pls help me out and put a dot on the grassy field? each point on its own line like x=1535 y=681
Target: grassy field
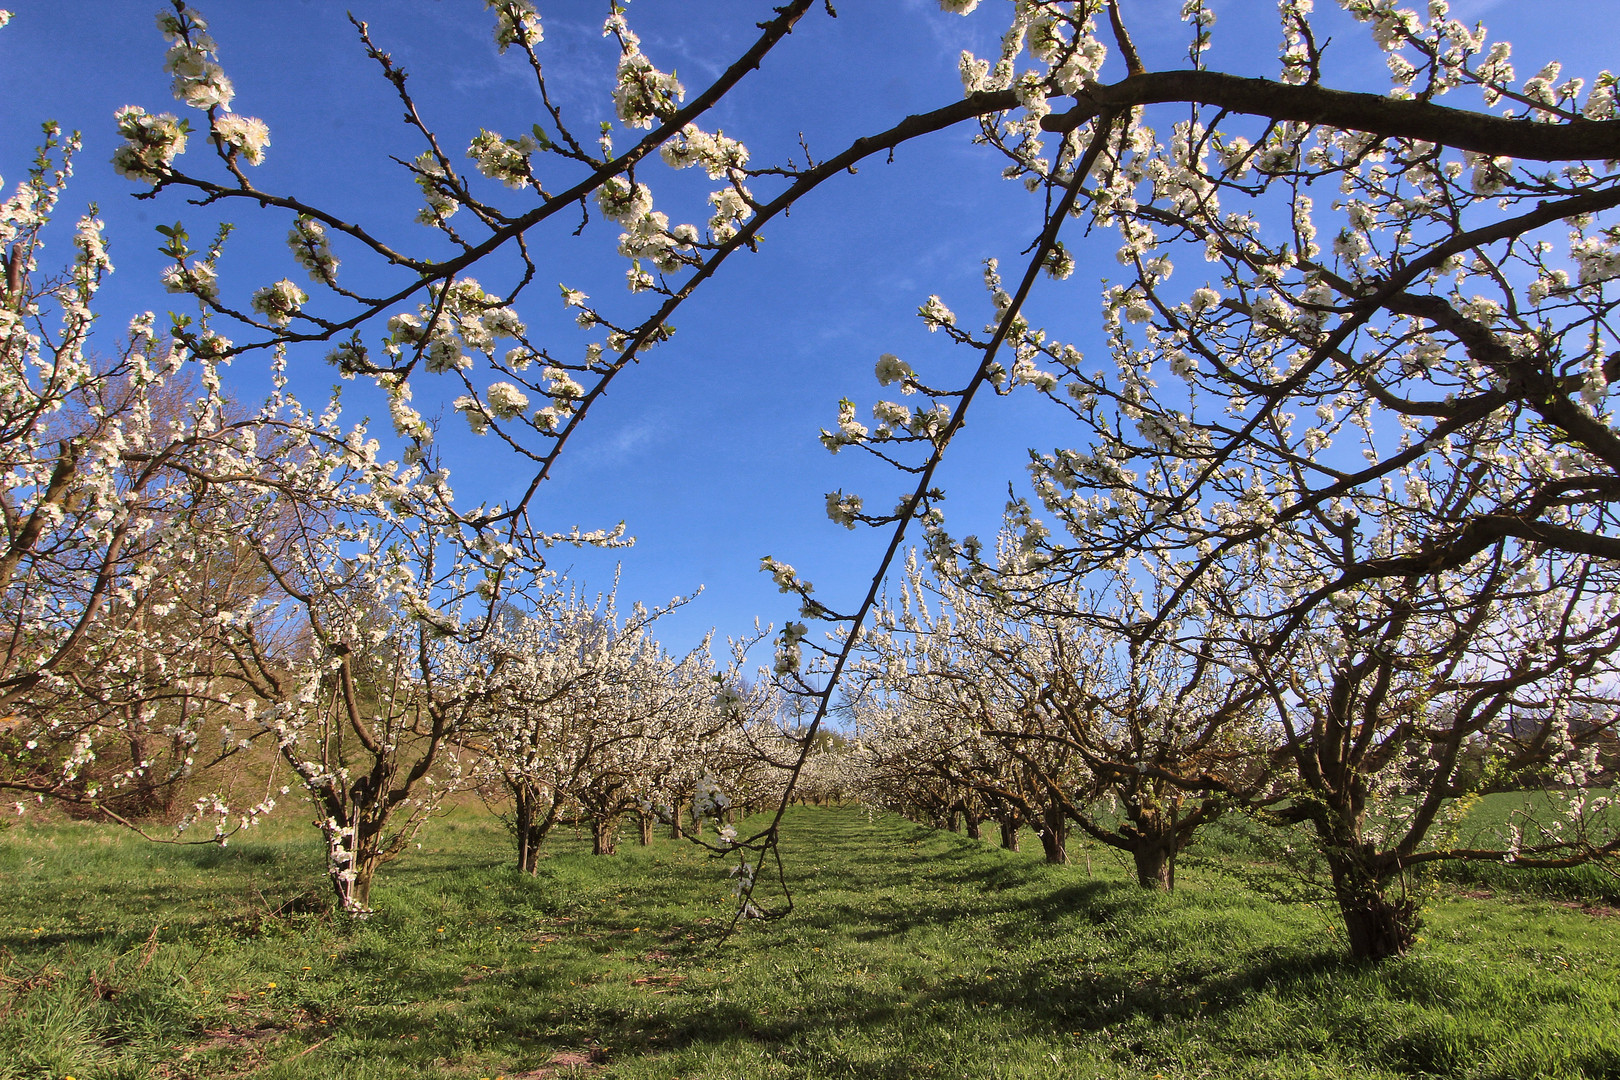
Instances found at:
x=912 y=954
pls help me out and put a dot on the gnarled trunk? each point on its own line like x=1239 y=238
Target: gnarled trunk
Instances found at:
x=1380 y=915
x=604 y=835
x=1155 y=867
x=1153 y=841
x=1009 y=834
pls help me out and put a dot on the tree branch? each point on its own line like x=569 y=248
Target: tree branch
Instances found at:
x=1461 y=129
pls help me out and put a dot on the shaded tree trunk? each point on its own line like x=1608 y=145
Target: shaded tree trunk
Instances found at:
x=1155 y=867
x=149 y=796
x=973 y=830
x=355 y=895
x=604 y=835
x=1054 y=833
x=646 y=822
x=1153 y=841
x=1009 y=834
x=523 y=826
x=1380 y=915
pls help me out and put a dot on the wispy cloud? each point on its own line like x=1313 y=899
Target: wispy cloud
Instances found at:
x=1469 y=10
x=622 y=446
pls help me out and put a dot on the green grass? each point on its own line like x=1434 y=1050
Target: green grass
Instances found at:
x=1236 y=841
x=1484 y=827
x=911 y=954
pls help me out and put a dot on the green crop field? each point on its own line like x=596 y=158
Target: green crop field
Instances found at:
x=911 y=953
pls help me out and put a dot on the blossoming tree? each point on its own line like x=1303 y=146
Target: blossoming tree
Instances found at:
x=119 y=564
x=1399 y=703
x=1138 y=742
x=186 y=577
x=389 y=592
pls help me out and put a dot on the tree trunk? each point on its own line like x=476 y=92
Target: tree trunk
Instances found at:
x=530 y=825
x=646 y=829
x=953 y=820
x=147 y=797
x=522 y=825
x=1009 y=834
x=973 y=830
x=1377 y=925
x=1153 y=838
x=1378 y=928
x=355 y=895
x=351 y=863
x=1155 y=867
x=528 y=852
x=1054 y=834
x=604 y=835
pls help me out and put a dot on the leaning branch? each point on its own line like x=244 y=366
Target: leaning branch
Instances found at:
x=1387 y=117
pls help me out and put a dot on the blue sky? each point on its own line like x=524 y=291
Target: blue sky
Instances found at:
x=708 y=450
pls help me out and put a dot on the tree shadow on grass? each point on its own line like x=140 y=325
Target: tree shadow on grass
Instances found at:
x=530 y=1024
x=528 y=1014
x=238 y=856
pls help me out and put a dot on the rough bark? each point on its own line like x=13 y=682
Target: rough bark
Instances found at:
x=1155 y=867
x=1054 y=833
x=1153 y=841
x=1380 y=916
x=352 y=860
x=604 y=836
